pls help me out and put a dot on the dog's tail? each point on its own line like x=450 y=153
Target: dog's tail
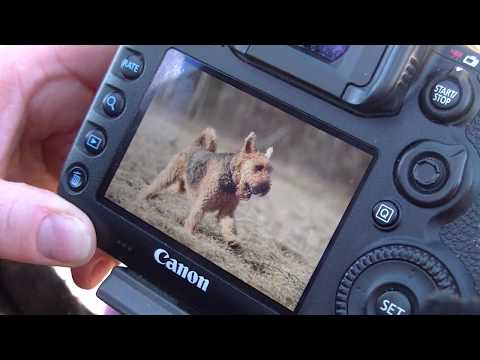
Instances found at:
x=207 y=140
x=167 y=177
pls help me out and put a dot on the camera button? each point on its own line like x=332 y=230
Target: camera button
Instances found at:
x=385 y=215
x=114 y=103
x=393 y=303
x=446 y=94
x=429 y=174
x=77 y=178
x=95 y=142
x=132 y=67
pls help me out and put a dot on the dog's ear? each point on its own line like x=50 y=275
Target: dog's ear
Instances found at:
x=249 y=144
x=269 y=152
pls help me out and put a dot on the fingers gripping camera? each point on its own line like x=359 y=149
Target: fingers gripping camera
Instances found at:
x=235 y=179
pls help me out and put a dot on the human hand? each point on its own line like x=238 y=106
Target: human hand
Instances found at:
x=45 y=92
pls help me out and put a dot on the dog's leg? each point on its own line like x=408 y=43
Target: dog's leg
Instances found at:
x=229 y=228
x=195 y=216
x=181 y=189
x=167 y=177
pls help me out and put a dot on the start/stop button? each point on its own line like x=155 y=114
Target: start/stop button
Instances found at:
x=448 y=96
x=445 y=94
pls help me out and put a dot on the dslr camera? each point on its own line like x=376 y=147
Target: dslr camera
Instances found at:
x=284 y=179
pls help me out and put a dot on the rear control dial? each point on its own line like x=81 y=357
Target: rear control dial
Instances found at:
x=392 y=280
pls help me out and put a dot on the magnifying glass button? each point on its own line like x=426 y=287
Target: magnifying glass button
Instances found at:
x=113 y=103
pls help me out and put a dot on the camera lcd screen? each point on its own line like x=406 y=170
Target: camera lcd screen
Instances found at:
x=253 y=189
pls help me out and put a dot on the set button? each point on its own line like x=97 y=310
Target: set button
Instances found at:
x=393 y=303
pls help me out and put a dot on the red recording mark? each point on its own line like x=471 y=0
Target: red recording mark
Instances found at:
x=456 y=54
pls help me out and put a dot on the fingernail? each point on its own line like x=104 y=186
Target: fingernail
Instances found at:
x=65 y=239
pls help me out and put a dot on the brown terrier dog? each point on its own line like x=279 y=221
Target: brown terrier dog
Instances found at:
x=215 y=181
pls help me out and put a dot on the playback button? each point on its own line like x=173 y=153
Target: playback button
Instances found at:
x=95 y=142
x=385 y=215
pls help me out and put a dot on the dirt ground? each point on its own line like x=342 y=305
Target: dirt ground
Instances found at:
x=282 y=235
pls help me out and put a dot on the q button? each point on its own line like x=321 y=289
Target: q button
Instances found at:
x=114 y=103
x=385 y=215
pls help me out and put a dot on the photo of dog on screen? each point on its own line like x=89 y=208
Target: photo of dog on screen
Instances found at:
x=215 y=182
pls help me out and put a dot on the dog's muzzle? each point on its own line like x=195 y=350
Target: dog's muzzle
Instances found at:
x=261 y=189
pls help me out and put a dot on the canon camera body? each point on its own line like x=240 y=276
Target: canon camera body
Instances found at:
x=307 y=179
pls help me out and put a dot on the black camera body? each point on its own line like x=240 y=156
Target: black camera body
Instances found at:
x=412 y=227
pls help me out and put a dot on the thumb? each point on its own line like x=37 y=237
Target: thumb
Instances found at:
x=39 y=227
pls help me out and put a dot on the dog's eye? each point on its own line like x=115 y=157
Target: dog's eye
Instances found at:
x=259 y=168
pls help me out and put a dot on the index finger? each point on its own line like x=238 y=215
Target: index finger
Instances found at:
x=86 y=63
x=31 y=69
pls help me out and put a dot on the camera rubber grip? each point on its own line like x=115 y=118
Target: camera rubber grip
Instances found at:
x=462 y=236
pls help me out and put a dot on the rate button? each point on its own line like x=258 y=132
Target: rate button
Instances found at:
x=132 y=66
